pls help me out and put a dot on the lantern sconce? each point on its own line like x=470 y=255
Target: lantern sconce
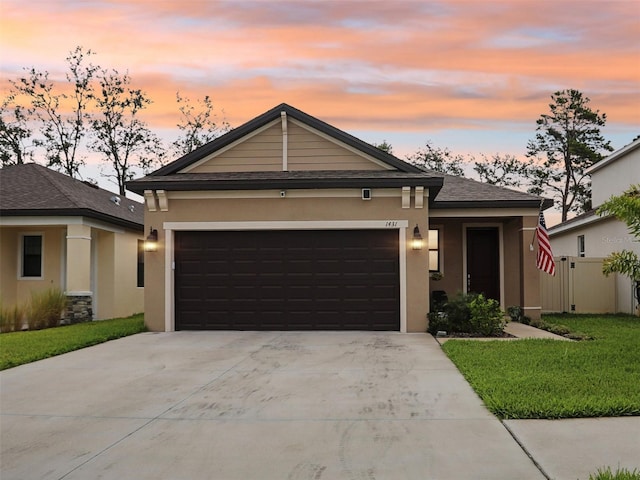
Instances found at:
x=417 y=242
x=151 y=243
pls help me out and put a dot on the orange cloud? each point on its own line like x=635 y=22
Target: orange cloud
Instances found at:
x=386 y=66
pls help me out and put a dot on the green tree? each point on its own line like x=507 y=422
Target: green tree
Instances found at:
x=570 y=141
x=504 y=171
x=15 y=134
x=384 y=146
x=118 y=133
x=625 y=207
x=199 y=124
x=438 y=159
x=62 y=132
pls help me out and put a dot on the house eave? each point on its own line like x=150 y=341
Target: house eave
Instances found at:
x=73 y=212
x=139 y=186
x=477 y=204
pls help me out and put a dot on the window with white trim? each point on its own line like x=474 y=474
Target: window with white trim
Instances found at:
x=31 y=256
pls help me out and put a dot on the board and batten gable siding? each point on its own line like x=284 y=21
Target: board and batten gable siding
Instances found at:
x=307 y=150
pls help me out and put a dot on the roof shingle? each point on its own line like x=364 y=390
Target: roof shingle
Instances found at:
x=32 y=189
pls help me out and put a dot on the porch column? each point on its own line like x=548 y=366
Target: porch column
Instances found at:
x=530 y=283
x=78 y=289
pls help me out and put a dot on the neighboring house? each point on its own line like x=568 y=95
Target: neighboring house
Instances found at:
x=56 y=231
x=287 y=223
x=590 y=235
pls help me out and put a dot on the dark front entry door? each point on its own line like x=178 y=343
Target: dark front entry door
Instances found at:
x=483 y=261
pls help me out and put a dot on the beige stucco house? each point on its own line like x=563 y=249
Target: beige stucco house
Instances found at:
x=590 y=235
x=287 y=222
x=56 y=231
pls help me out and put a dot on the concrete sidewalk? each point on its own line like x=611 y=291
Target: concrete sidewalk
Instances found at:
x=573 y=449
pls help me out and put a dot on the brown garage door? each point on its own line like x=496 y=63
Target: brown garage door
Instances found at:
x=287 y=280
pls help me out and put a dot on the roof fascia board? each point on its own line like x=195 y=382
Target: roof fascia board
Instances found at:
x=573 y=224
x=482 y=212
x=473 y=204
x=613 y=157
x=270 y=184
x=61 y=216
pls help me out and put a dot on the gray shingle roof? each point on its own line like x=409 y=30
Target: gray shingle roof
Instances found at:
x=32 y=189
x=459 y=192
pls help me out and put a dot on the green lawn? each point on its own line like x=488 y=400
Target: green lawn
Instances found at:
x=17 y=348
x=555 y=379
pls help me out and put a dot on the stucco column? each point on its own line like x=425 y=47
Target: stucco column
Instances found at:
x=530 y=283
x=79 y=294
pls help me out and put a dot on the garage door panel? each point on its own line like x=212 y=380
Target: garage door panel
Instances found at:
x=287 y=280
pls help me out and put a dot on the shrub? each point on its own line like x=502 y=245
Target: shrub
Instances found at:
x=515 y=313
x=486 y=316
x=438 y=321
x=458 y=313
x=557 y=329
x=11 y=318
x=46 y=308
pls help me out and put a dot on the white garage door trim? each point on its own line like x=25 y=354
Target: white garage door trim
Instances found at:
x=170 y=227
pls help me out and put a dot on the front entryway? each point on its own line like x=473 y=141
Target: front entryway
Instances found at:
x=483 y=261
x=287 y=280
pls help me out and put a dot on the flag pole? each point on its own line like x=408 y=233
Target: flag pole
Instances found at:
x=533 y=237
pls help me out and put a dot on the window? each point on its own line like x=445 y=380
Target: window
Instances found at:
x=434 y=250
x=581 y=245
x=31 y=261
x=140 y=263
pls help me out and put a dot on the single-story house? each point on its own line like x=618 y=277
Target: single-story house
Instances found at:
x=593 y=236
x=56 y=231
x=288 y=223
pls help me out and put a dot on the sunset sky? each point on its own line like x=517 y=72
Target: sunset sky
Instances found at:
x=472 y=76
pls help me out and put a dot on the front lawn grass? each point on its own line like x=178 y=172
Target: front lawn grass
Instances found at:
x=17 y=348
x=533 y=378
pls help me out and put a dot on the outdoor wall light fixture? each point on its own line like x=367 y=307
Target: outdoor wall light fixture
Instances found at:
x=151 y=243
x=417 y=242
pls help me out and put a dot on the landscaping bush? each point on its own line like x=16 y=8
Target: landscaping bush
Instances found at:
x=515 y=313
x=457 y=316
x=46 y=308
x=486 y=316
x=11 y=318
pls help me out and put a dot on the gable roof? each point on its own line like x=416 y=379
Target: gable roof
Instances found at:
x=446 y=191
x=270 y=116
x=613 y=157
x=34 y=190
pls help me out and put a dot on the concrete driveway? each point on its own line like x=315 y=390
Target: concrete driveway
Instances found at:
x=252 y=405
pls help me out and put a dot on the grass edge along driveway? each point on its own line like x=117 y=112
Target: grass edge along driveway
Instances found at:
x=17 y=348
x=534 y=378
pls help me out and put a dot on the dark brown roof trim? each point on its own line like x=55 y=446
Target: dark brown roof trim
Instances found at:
x=73 y=212
x=449 y=204
x=269 y=116
x=138 y=186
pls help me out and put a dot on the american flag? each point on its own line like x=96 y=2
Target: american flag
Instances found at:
x=545 y=256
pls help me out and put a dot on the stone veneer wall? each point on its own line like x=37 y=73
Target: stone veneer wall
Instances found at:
x=79 y=309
